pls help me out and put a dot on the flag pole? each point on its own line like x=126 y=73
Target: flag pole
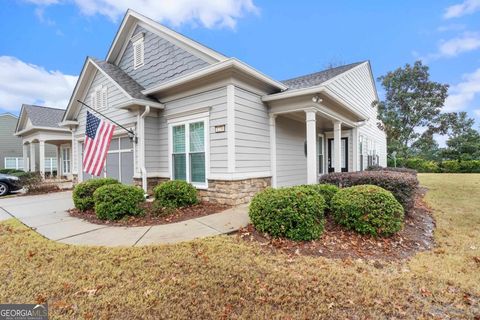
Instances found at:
x=131 y=133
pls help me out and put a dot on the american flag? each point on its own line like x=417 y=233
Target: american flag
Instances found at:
x=98 y=135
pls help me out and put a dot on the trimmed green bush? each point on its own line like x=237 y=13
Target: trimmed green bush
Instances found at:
x=175 y=194
x=402 y=185
x=368 y=209
x=393 y=169
x=464 y=166
x=11 y=171
x=83 y=192
x=114 y=201
x=325 y=190
x=295 y=213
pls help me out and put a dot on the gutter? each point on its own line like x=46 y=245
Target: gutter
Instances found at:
x=143 y=169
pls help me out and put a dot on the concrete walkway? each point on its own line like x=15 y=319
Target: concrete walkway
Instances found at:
x=47 y=215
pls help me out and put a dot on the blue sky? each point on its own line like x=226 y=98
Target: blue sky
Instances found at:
x=45 y=42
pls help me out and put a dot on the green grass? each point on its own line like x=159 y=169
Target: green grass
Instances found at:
x=223 y=277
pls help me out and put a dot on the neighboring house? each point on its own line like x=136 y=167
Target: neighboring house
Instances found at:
x=218 y=123
x=46 y=145
x=10 y=146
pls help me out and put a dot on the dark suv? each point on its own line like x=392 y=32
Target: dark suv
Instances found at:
x=9 y=183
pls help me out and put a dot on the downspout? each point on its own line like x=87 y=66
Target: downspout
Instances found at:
x=143 y=169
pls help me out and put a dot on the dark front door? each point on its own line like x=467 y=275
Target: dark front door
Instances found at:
x=344 y=152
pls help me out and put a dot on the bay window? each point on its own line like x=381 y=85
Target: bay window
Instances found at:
x=188 y=152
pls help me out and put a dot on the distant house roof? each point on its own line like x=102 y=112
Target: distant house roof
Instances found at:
x=43 y=116
x=317 y=78
x=133 y=88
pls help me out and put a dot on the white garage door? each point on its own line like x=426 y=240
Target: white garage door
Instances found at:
x=119 y=164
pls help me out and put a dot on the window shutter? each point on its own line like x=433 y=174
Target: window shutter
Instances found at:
x=138 y=54
x=98 y=99
x=104 y=97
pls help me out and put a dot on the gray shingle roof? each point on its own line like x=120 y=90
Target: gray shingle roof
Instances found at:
x=317 y=78
x=124 y=80
x=44 y=116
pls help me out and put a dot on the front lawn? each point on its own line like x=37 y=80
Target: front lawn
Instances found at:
x=225 y=277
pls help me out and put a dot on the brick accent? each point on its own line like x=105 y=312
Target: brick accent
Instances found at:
x=152 y=182
x=233 y=192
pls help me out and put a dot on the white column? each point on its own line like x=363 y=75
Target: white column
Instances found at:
x=355 y=143
x=32 y=157
x=231 y=161
x=273 y=150
x=337 y=145
x=59 y=162
x=312 y=172
x=42 y=157
x=25 y=157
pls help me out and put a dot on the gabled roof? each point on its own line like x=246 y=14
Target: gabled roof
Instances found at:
x=317 y=78
x=133 y=88
x=8 y=114
x=43 y=116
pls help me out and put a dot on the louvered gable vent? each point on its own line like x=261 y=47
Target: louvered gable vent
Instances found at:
x=138 y=50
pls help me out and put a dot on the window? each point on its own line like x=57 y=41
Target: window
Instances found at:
x=50 y=165
x=320 y=154
x=66 y=160
x=100 y=98
x=361 y=152
x=188 y=152
x=14 y=163
x=138 y=53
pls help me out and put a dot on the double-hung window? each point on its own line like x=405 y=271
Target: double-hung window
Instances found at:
x=66 y=160
x=188 y=152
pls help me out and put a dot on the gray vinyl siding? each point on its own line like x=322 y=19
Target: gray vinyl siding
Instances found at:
x=155 y=146
x=163 y=60
x=216 y=100
x=115 y=96
x=252 y=133
x=10 y=145
x=357 y=88
x=291 y=159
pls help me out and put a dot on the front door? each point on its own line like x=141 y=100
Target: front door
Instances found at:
x=344 y=152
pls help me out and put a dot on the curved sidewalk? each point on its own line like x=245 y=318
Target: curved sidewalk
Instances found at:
x=47 y=214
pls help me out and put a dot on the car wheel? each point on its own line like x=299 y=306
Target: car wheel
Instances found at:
x=3 y=189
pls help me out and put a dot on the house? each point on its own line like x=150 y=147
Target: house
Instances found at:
x=10 y=146
x=46 y=145
x=217 y=122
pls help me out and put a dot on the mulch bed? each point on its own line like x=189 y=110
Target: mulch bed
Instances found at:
x=337 y=242
x=153 y=216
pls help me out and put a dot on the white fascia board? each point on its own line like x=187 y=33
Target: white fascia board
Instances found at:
x=20 y=133
x=73 y=100
x=110 y=78
x=212 y=69
x=129 y=20
x=68 y=123
x=140 y=102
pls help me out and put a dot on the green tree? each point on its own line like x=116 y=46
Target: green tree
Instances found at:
x=426 y=147
x=412 y=101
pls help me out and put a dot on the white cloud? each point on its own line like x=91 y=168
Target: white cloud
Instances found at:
x=22 y=82
x=477 y=112
x=463 y=93
x=468 y=41
x=462 y=9
x=208 y=13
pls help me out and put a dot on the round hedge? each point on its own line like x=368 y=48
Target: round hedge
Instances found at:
x=325 y=190
x=114 y=201
x=175 y=194
x=368 y=209
x=295 y=213
x=83 y=192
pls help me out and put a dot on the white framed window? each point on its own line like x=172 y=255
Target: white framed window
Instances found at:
x=100 y=98
x=50 y=165
x=66 y=161
x=188 y=145
x=360 y=147
x=138 y=53
x=13 y=163
x=320 y=153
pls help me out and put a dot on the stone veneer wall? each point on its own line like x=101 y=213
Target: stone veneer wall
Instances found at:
x=233 y=192
x=152 y=182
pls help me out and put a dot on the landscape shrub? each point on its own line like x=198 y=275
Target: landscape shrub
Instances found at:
x=11 y=171
x=464 y=166
x=368 y=209
x=446 y=166
x=83 y=192
x=296 y=213
x=402 y=185
x=393 y=169
x=114 y=201
x=325 y=190
x=175 y=194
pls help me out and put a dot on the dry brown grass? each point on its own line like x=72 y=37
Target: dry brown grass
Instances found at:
x=223 y=277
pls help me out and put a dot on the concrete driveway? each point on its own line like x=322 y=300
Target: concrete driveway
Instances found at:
x=47 y=215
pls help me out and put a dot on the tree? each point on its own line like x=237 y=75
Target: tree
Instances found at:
x=412 y=101
x=465 y=146
x=426 y=147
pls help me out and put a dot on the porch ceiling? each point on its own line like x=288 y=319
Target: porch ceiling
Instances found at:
x=323 y=123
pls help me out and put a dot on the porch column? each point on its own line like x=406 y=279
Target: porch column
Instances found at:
x=42 y=157
x=355 y=149
x=273 y=149
x=312 y=173
x=25 y=157
x=337 y=145
x=32 y=157
x=59 y=162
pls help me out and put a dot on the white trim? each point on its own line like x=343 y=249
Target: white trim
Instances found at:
x=206 y=127
x=213 y=69
x=138 y=47
x=132 y=102
x=110 y=78
x=138 y=37
x=355 y=143
x=231 y=128
x=18 y=161
x=185 y=115
x=311 y=133
x=189 y=118
x=24 y=131
x=240 y=176
x=273 y=148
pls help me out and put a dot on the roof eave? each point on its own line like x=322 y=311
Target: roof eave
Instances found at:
x=140 y=102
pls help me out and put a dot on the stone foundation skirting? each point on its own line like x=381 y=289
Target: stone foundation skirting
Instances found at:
x=233 y=192
x=152 y=182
